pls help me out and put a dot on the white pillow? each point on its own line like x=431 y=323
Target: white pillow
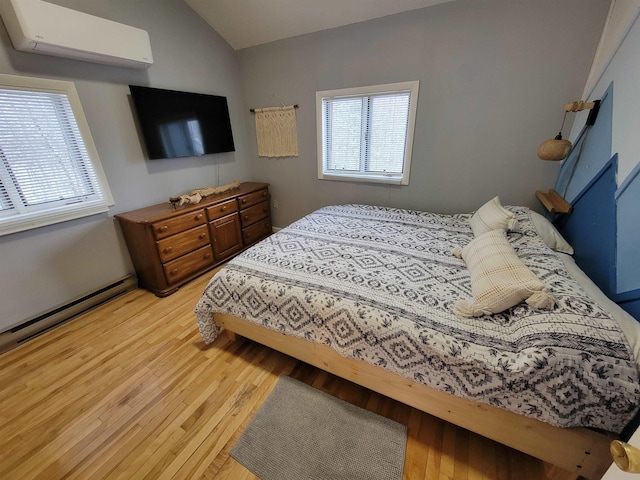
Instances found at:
x=550 y=234
x=492 y=216
x=499 y=279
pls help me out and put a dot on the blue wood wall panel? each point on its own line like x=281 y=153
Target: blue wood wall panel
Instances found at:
x=633 y=307
x=604 y=227
x=591 y=228
x=591 y=157
x=628 y=251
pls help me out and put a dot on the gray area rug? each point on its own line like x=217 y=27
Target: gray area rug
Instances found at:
x=302 y=433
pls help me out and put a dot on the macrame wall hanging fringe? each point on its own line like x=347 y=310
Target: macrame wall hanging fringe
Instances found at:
x=276 y=131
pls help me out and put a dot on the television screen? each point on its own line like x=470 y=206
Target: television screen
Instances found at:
x=181 y=124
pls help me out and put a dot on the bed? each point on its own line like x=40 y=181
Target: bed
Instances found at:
x=369 y=293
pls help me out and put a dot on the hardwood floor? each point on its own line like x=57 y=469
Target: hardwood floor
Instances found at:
x=130 y=391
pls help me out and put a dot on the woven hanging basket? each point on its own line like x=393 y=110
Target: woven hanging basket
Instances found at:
x=554 y=149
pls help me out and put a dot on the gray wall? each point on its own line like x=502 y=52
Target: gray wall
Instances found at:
x=494 y=76
x=48 y=266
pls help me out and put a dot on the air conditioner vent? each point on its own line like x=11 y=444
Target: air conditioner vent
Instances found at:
x=40 y=27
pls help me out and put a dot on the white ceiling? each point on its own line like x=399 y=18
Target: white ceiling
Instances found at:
x=245 y=23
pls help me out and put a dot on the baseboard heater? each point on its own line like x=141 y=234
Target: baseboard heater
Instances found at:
x=45 y=321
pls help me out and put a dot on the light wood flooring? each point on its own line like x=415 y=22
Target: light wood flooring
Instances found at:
x=130 y=391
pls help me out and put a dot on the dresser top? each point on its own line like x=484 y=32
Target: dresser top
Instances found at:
x=160 y=211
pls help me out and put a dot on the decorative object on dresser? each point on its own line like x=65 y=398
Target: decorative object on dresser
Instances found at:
x=170 y=246
x=196 y=196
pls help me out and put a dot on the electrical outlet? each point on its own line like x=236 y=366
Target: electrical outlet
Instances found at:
x=276 y=204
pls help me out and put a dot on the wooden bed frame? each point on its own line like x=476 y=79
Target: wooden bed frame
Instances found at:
x=584 y=452
x=581 y=451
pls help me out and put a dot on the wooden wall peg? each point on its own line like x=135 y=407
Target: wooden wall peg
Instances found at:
x=553 y=202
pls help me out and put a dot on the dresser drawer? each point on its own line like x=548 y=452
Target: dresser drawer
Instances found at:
x=181 y=243
x=253 y=214
x=188 y=264
x=221 y=209
x=256 y=231
x=178 y=224
x=253 y=198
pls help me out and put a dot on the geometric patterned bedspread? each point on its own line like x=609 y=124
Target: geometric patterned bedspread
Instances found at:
x=378 y=284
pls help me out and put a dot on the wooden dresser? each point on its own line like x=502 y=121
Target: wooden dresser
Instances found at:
x=170 y=246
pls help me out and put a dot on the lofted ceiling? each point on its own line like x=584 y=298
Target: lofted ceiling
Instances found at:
x=245 y=23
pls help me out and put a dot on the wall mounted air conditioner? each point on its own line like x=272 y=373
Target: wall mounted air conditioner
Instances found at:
x=40 y=27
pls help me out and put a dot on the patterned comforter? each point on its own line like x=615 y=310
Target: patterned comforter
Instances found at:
x=378 y=284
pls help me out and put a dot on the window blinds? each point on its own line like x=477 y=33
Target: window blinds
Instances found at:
x=343 y=127
x=43 y=159
x=366 y=133
x=388 y=121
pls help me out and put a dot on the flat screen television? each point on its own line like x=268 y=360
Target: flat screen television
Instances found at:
x=182 y=124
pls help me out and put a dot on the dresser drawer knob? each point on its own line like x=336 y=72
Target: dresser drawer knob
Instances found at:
x=246 y=217
x=168 y=250
x=207 y=255
x=199 y=216
x=202 y=235
x=174 y=271
x=163 y=228
x=248 y=235
x=264 y=194
x=243 y=201
x=224 y=208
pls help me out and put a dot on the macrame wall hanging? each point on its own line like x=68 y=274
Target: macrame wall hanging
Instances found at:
x=276 y=131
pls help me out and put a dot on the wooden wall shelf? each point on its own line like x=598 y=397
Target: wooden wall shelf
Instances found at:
x=553 y=202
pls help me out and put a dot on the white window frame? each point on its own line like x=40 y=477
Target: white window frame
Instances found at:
x=396 y=179
x=19 y=218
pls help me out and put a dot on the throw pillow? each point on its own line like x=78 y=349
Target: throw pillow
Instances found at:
x=499 y=279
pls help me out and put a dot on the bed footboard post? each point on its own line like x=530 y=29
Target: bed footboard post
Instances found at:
x=230 y=335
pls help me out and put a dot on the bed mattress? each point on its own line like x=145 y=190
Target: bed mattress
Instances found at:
x=379 y=284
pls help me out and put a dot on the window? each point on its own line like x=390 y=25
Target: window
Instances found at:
x=49 y=167
x=366 y=133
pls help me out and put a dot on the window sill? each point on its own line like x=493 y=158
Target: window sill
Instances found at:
x=364 y=179
x=9 y=225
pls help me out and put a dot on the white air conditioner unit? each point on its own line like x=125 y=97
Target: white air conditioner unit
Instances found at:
x=41 y=27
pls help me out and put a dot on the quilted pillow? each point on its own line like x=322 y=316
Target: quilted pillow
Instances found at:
x=499 y=279
x=492 y=216
x=550 y=234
